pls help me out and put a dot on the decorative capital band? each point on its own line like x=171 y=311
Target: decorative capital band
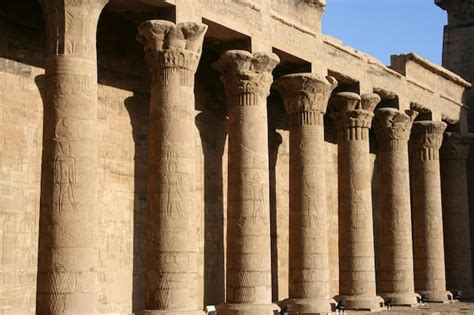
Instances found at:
x=305 y=92
x=456 y=146
x=246 y=75
x=426 y=139
x=169 y=45
x=354 y=114
x=71 y=27
x=306 y=118
x=392 y=127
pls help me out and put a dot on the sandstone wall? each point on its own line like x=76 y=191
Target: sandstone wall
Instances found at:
x=123 y=142
x=122 y=112
x=123 y=105
x=21 y=124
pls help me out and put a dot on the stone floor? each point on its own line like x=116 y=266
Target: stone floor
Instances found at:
x=427 y=309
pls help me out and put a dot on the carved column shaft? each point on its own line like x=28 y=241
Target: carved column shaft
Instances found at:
x=457 y=241
x=356 y=242
x=68 y=255
x=305 y=97
x=173 y=53
x=396 y=260
x=427 y=211
x=247 y=79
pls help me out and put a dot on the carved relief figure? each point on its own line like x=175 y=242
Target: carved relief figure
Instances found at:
x=313 y=210
x=256 y=187
x=173 y=192
x=65 y=175
x=359 y=216
x=432 y=218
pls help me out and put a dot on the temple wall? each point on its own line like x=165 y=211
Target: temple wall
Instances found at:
x=21 y=120
x=458 y=49
x=122 y=134
x=21 y=128
x=116 y=200
x=123 y=105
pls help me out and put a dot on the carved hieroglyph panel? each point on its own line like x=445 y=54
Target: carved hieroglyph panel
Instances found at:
x=21 y=111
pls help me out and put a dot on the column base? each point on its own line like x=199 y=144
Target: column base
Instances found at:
x=363 y=303
x=402 y=299
x=309 y=306
x=248 y=309
x=438 y=296
x=170 y=312
x=466 y=295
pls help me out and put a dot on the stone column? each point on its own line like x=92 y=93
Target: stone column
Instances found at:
x=353 y=118
x=68 y=255
x=305 y=97
x=427 y=215
x=247 y=78
x=171 y=267
x=457 y=241
x=396 y=281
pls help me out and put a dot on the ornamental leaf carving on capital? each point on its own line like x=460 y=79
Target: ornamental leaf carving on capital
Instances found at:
x=456 y=146
x=353 y=110
x=245 y=73
x=172 y=45
x=305 y=92
x=392 y=125
x=426 y=139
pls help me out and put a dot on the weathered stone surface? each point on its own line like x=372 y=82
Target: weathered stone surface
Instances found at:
x=353 y=118
x=120 y=134
x=455 y=197
x=306 y=97
x=247 y=79
x=68 y=243
x=396 y=260
x=428 y=248
x=171 y=274
x=458 y=57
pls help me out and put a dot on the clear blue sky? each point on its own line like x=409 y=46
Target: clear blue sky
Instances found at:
x=386 y=27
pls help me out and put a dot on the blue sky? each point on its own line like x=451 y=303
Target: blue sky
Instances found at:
x=385 y=27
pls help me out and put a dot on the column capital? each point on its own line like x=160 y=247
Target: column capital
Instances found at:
x=426 y=139
x=354 y=113
x=456 y=146
x=71 y=26
x=169 y=45
x=392 y=126
x=305 y=96
x=246 y=74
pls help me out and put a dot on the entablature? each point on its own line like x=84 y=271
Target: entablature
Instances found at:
x=281 y=26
